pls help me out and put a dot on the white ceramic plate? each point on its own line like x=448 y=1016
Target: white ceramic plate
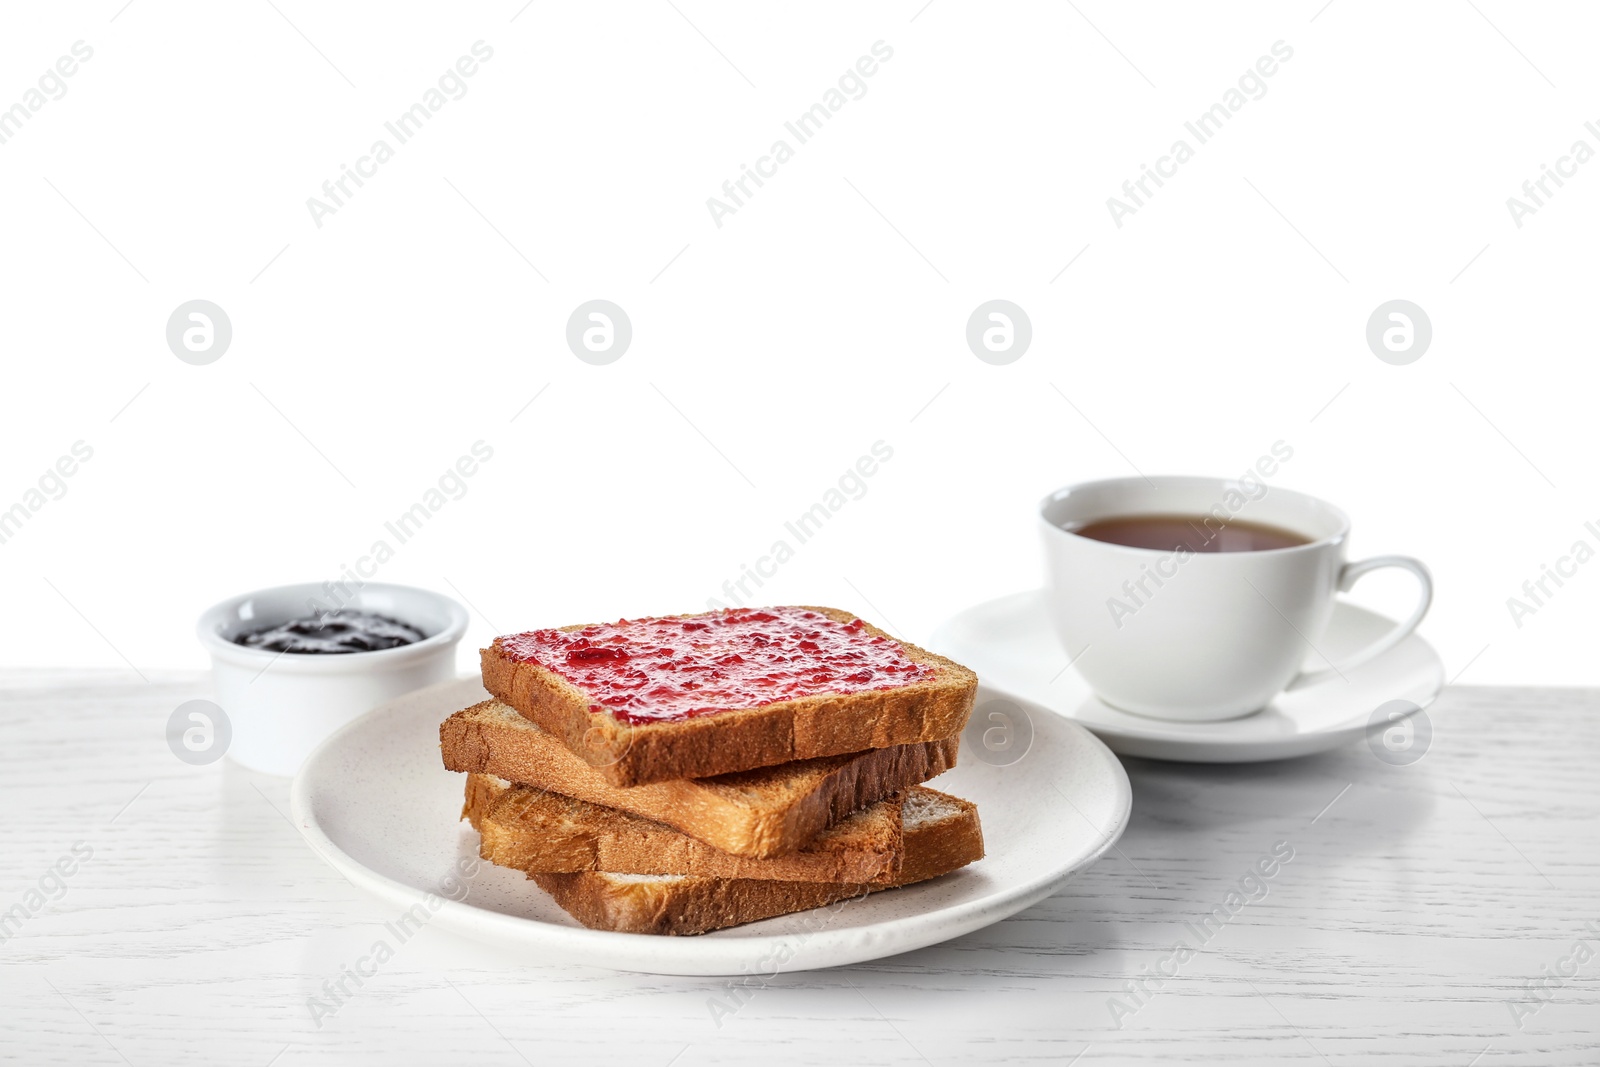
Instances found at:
x=1011 y=644
x=376 y=803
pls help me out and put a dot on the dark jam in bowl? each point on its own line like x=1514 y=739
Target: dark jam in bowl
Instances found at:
x=670 y=669
x=333 y=632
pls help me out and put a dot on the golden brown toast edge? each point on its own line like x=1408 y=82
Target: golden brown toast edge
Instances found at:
x=820 y=725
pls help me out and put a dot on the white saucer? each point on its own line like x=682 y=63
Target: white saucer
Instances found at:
x=375 y=802
x=1012 y=646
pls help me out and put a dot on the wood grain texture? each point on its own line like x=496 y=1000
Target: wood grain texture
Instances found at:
x=1419 y=901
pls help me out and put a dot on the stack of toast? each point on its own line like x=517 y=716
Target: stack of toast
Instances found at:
x=683 y=774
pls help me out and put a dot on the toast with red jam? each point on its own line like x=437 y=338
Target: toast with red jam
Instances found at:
x=692 y=696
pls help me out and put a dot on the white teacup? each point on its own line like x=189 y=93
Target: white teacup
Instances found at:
x=1202 y=636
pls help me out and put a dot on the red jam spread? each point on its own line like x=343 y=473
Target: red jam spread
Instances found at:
x=667 y=670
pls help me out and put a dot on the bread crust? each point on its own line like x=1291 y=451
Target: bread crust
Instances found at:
x=948 y=840
x=690 y=906
x=537 y=831
x=825 y=724
x=482 y=791
x=694 y=905
x=764 y=812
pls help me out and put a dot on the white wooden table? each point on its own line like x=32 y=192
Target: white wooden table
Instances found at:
x=1419 y=904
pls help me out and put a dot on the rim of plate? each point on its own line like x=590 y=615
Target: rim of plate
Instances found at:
x=936 y=925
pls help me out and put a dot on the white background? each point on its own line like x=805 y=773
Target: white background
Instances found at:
x=827 y=314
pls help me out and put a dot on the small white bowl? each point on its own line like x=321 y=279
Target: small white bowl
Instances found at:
x=282 y=705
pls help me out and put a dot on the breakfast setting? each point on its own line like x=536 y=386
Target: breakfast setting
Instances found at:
x=687 y=534
x=744 y=769
x=747 y=794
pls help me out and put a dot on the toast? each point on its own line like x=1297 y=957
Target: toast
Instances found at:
x=941 y=834
x=538 y=831
x=760 y=813
x=693 y=696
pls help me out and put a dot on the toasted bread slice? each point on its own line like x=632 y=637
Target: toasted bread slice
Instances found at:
x=765 y=812
x=535 y=830
x=631 y=751
x=941 y=835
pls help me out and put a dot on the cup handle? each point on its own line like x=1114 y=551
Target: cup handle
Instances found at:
x=1347 y=578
